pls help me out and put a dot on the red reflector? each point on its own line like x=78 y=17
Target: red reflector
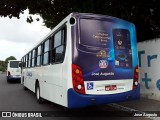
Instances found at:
x=77 y=79
x=9 y=73
x=135 y=80
x=136 y=76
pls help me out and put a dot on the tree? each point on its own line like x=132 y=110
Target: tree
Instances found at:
x=9 y=58
x=2 y=66
x=145 y=15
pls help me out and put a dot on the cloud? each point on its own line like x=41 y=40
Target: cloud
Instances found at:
x=17 y=36
x=9 y=48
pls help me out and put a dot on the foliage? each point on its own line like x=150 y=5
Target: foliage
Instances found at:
x=10 y=58
x=145 y=15
x=2 y=66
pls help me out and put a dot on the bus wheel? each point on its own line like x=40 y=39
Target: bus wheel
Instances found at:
x=8 y=81
x=24 y=87
x=38 y=97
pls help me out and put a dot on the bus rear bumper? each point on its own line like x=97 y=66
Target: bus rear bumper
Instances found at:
x=10 y=78
x=76 y=100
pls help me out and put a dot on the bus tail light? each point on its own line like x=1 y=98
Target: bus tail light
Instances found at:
x=135 y=80
x=77 y=79
x=9 y=74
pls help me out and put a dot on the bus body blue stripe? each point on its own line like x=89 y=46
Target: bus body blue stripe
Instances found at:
x=76 y=100
x=13 y=78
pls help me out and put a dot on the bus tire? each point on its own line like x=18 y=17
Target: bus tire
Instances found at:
x=8 y=81
x=24 y=87
x=38 y=97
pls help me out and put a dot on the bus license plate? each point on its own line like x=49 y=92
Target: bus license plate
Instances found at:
x=110 y=87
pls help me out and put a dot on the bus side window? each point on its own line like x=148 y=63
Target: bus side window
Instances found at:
x=46 y=52
x=27 y=60
x=20 y=64
x=24 y=61
x=52 y=50
x=33 y=58
x=39 y=56
x=58 y=46
x=64 y=36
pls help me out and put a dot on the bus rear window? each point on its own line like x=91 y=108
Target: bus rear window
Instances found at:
x=14 y=64
x=93 y=33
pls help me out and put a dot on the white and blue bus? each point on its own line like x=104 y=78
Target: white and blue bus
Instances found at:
x=13 y=70
x=86 y=60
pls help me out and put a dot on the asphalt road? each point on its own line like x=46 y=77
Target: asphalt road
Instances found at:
x=14 y=98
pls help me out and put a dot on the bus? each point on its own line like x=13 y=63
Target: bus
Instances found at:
x=13 y=70
x=87 y=59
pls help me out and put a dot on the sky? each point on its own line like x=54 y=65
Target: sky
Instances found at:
x=17 y=36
